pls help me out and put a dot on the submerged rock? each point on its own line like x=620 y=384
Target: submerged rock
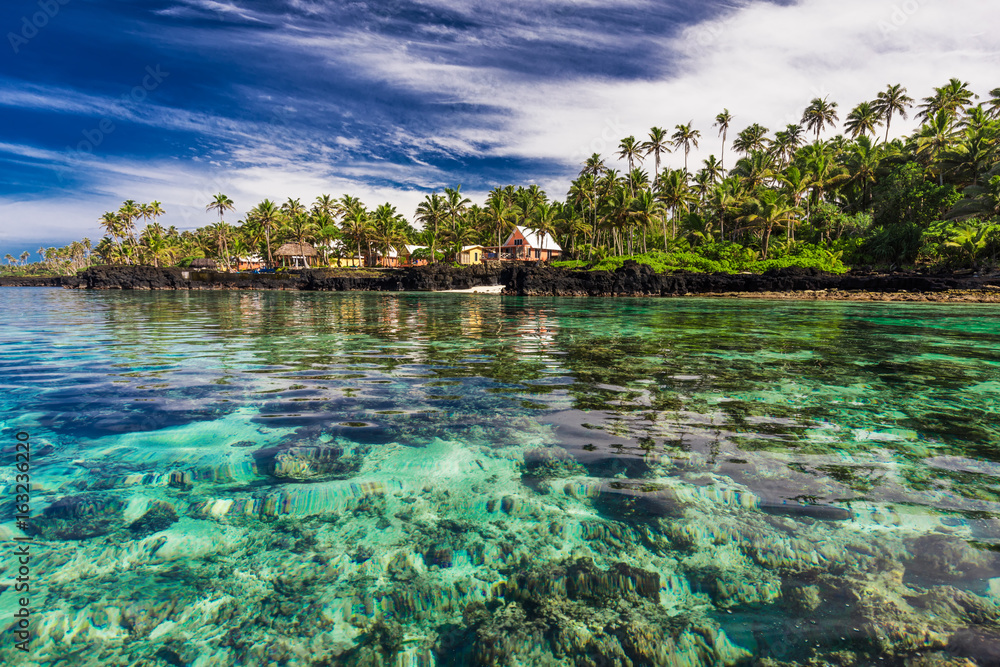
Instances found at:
x=308 y=462
x=78 y=518
x=158 y=517
x=578 y=614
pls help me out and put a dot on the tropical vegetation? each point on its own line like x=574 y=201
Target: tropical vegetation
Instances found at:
x=799 y=196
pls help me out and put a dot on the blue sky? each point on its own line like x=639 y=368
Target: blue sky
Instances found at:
x=175 y=100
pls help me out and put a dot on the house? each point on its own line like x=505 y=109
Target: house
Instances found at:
x=530 y=245
x=249 y=262
x=203 y=263
x=471 y=254
x=297 y=255
x=401 y=256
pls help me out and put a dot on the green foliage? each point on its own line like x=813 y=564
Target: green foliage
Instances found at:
x=893 y=246
x=908 y=196
x=724 y=258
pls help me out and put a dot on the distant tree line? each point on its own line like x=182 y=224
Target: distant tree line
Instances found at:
x=859 y=197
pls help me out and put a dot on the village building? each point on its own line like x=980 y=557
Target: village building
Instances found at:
x=471 y=254
x=203 y=263
x=297 y=255
x=530 y=245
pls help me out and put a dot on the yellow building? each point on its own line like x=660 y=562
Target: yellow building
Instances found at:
x=471 y=254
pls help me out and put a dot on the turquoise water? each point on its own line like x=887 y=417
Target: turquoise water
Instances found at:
x=430 y=479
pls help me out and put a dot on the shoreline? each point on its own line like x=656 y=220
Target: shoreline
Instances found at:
x=538 y=279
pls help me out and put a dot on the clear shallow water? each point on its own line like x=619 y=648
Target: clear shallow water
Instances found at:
x=364 y=479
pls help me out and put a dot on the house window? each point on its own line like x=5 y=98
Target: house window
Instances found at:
x=538 y=254
x=518 y=241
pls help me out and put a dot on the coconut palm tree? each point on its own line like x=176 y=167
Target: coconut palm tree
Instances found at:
x=820 y=113
x=657 y=145
x=326 y=205
x=268 y=215
x=751 y=139
x=893 y=100
x=431 y=213
x=630 y=150
x=129 y=213
x=723 y=121
x=993 y=106
x=220 y=204
x=685 y=136
x=500 y=213
x=769 y=209
x=862 y=120
x=357 y=227
x=952 y=97
x=456 y=204
x=933 y=138
x=594 y=166
x=786 y=142
x=675 y=194
x=713 y=169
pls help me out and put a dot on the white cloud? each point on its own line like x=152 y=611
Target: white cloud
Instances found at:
x=762 y=61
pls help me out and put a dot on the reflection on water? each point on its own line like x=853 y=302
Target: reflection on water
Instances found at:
x=365 y=479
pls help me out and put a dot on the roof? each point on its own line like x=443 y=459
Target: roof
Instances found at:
x=410 y=249
x=467 y=248
x=296 y=250
x=536 y=240
x=202 y=263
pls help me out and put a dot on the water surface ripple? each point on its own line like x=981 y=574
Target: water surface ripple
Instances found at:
x=252 y=478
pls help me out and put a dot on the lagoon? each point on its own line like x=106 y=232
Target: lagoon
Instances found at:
x=230 y=478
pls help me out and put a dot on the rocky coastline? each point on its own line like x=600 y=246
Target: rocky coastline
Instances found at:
x=539 y=279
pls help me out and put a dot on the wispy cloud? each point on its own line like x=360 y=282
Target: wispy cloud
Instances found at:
x=388 y=99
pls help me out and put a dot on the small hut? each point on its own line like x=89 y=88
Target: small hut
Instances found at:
x=297 y=255
x=203 y=264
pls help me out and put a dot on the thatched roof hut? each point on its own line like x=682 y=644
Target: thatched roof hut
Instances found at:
x=203 y=263
x=297 y=254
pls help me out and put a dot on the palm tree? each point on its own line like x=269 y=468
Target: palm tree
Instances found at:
x=631 y=150
x=24 y=256
x=952 y=97
x=713 y=168
x=933 y=138
x=657 y=145
x=269 y=217
x=862 y=120
x=893 y=100
x=797 y=184
x=994 y=104
x=301 y=228
x=755 y=170
x=9 y=258
x=820 y=113
x=387 y=229
x=129 y=213
x=751 y=139
x=675 y=194
x=220 y=204
x=687 y=137
x=786 y=142
x=770 y=208
x=357 y=227
x=594 y=166
x=862 y=162
x=292 y=207
x=326 y=205
x=455 y=204
x=431 y=212
x=723 y=121
x=499 y=213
